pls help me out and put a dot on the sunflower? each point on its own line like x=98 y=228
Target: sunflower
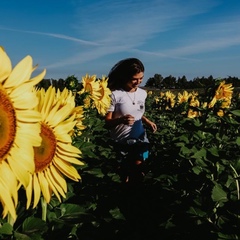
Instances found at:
x=54 y=158
x=102 y=100
x=224 y=91
x=19 y=128
x=192 y=113
x=183 y=97
x=98 y=92
x=193 y=102
x=212 y=102
x=170 y=98
x=223 y=94
x=79 y=117
x=90 y=85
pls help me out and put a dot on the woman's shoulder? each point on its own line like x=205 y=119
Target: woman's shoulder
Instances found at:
x=118 y=91
x=142 y=91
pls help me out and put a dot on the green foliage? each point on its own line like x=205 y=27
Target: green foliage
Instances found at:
x=190 y=190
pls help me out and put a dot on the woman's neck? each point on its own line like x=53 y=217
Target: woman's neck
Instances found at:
x=130 y=89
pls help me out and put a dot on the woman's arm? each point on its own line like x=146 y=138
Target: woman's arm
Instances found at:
x=151 y=124
x=113 y=122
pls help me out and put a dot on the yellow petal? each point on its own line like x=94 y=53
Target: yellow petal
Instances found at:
x=7 y=203
x=29 y=192
x=65 y=127
x=67 y=169
x=5 y=63
x=53 y=185
x=37 y=190
x=44 y=187
x=34 y=81
x=20 y=73
x=70 y=154
x=69 y=159
x=18 y=167
x=59 y=178
x=60 y=115
x=69 y=148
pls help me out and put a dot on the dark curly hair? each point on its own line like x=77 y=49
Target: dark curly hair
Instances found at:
x=123 y=71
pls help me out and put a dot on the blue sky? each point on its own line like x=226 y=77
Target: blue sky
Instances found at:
x=194 y=38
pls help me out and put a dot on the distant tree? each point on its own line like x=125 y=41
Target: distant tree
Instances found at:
x=234 y=80
x=203 y=82
x=155 y=82
x=169 y=82
x=58 y=84
x=182 y=82
x=45 y=83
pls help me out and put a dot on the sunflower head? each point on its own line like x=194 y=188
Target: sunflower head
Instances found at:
x=19 y=127
x=56 y=156
x=183 y=97
x=224 y=91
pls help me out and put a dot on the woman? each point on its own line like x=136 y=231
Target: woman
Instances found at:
x=125 y=117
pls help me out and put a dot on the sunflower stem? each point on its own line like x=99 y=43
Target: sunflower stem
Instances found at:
x=44 y=209
x=10 y=219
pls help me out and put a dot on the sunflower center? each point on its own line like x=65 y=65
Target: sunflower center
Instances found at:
x=102 y=92
x=44 y=154
x=89 y=88
x=7 y=124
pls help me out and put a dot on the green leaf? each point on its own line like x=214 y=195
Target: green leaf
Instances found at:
x=33 y=224
x=184 y=138
x=196 y=122
x=218 y=194
x=74 y=212
x=116 y=213
x=197 y=170
x=196 y=211
x=6 y=228
x=214 y=151
x=70 y=208
x=20 y=236
x=34 y=236
x=200 y=154
x=185 y=150
x=236 y=112
x=238 y=141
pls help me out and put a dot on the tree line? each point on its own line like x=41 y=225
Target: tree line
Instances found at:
x=155 y=82
x=171 y=82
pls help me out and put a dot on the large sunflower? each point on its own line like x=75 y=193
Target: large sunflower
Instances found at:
x=19 y=128
x=54 y=158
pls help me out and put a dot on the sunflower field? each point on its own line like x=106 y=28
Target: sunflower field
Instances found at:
x=59 y=174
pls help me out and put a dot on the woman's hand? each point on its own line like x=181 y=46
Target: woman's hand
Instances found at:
x=151 y=124
x=128 y=119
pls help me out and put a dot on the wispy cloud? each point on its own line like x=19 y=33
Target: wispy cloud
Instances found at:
x=121 y=26
x=132 y=23
x=55 y=35
x=210 y=37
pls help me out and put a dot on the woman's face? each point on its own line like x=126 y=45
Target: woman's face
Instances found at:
x=134 y=82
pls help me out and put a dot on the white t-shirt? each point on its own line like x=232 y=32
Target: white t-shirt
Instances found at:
x=132 y=103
